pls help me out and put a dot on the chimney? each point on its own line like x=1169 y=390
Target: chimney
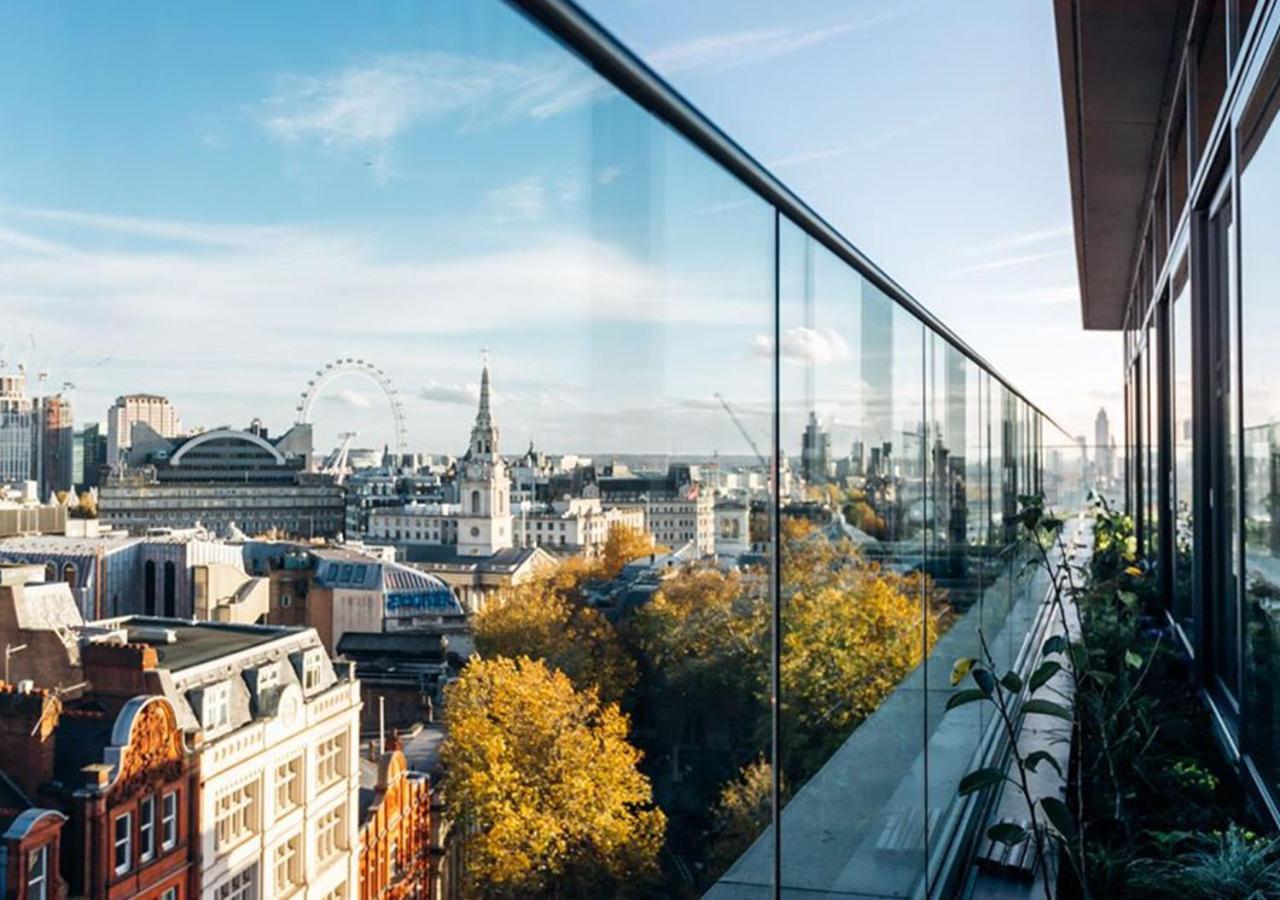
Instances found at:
x=28 y=720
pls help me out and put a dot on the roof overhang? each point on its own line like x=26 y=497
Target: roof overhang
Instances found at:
x=1116 y=59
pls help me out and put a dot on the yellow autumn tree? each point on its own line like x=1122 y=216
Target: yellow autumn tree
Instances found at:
x=852 y=631
x=545 y=786
x=622 y=545
x=540 y=620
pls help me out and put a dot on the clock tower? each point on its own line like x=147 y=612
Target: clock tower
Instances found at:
x=484 y=486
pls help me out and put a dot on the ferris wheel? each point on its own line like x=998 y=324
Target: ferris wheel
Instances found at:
x=352 y=366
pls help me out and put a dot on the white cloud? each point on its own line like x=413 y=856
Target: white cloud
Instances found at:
x=371 y=103
x=802 y=346
x=731 y=49
x=347 y=398
x=463 y=394
x=608 y=175
x=521 y=201
x=1021 y=239
x=1008 y=262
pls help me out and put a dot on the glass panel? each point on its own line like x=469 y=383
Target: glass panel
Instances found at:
x=1260 y=477
x=1183 y=496
x=852 y=556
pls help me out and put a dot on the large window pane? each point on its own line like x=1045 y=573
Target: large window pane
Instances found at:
x=1260 y=476
x=409 y=186
x=1183 y=497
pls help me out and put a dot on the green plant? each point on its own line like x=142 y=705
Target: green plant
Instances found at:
x=1230 y=864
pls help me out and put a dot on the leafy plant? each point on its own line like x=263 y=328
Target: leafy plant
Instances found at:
x=1235 y=863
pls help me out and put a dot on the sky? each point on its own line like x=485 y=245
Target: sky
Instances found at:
x=931 y=135
x=212 y=203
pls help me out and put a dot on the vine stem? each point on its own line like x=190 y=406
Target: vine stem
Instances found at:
x=1012 y=733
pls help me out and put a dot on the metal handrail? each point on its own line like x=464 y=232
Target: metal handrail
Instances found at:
x=626 y=71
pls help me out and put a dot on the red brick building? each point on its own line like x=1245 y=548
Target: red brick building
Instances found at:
x=395 y=830
x=110 y=793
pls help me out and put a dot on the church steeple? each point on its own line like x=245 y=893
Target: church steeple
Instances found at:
x=484 y=487
x=484 y=433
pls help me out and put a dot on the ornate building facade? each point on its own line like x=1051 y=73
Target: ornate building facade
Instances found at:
x=395 y=829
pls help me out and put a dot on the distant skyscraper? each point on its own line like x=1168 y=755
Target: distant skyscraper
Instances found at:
x=55 y=439
x=17 y=425
x=815 y=452
x=89 y=455
x=153 y=410
x=1102 y=443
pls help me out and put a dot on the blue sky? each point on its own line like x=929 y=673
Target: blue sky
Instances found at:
x=931 y=134
x=212 y=202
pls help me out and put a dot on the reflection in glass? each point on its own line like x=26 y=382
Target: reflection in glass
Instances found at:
x=1260 y=475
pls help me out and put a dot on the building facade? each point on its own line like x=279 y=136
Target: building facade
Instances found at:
x=55 y=444
x=228 y=481
x=1176 y=228
x=278 y=764
x=152 y=410
x=395 y=829
x=17 y=429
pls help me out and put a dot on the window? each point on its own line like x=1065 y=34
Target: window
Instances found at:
x=239 y=886
x=123 y=830
x=38 y=873
x=217 y=706
x=169 y=820
x=330 y=834
x=146 y=829
x=338 y=893
x=331 y=759
x=312 y=669
x=170 y=894
x=237 y=814
x=289 y=784
x=1260 y=475
x=288 y=865
x=393 y=858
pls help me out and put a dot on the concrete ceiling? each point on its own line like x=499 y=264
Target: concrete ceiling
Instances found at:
x=1116 y=58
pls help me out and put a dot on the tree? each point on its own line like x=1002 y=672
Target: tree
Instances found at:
x=742 y=813
x=852 y=631
x=622 y=545
x=539 y=620
x=703 y=702
x=544 y=784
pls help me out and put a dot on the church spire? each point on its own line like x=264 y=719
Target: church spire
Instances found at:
x=484 y=434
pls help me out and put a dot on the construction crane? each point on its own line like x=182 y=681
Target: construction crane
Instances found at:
x=338 y=464
x=764 y=463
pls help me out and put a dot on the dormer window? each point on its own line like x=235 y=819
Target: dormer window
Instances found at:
x=312 y=670
x=216 y=714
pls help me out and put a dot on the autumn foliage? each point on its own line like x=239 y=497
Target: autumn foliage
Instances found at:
x=542 y=619
x=543 y=781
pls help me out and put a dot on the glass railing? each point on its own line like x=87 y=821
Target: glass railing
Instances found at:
x=674 y=344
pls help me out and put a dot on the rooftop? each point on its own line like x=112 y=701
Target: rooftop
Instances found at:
x=196 y=643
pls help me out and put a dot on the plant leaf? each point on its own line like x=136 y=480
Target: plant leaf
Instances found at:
x=961 y=668
x=1012 y=682
x=960 y=698
x=980 y=779
x=1059 y=815
x=1132 y=660
x=1042 y=674
x=1036 y=757
x=1046 y=708
x=985 y=681
x=1007 y=833
x=1054 y=644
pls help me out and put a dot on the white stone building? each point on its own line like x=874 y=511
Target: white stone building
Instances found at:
x=149 y=409
x=279 y=751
